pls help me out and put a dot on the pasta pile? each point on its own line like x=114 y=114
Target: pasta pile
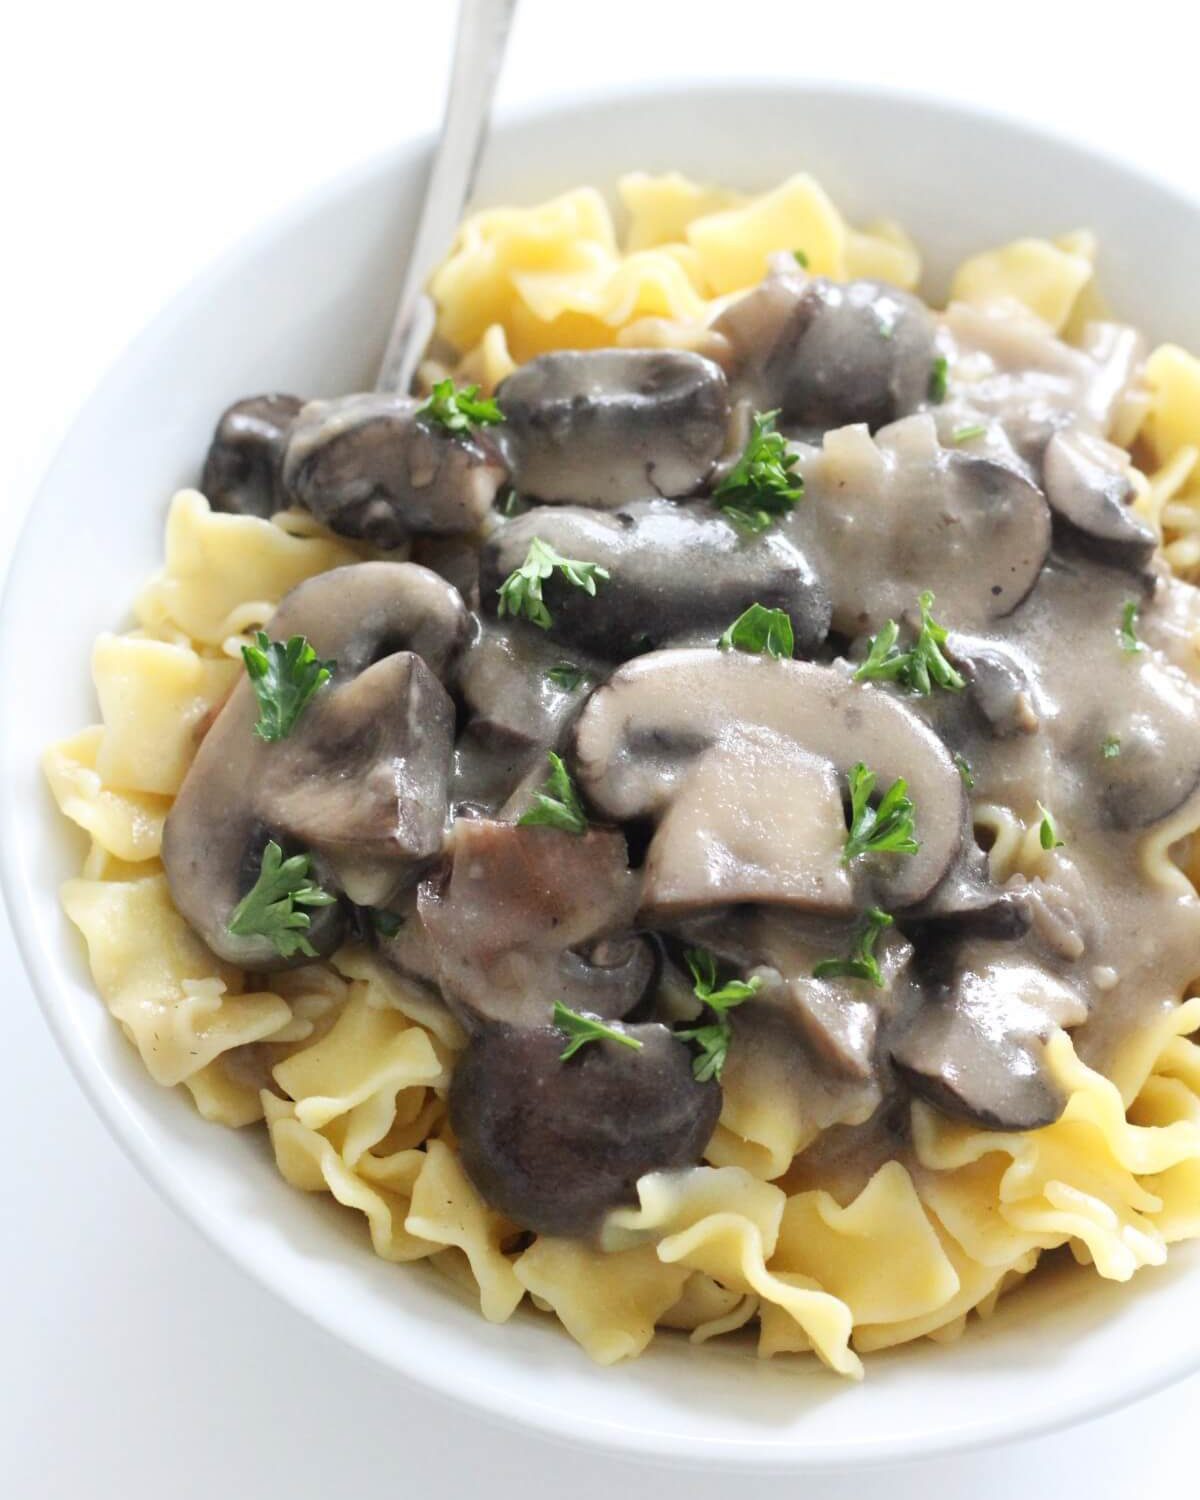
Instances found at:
x=348 y=1064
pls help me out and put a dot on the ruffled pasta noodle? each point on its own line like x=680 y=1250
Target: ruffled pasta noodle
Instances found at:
x=348 y=1064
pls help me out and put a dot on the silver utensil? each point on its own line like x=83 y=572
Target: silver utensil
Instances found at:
x=480 y=40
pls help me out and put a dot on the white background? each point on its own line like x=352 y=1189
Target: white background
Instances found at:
x=138 y=140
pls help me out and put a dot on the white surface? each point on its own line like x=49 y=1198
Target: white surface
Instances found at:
x=138 y=1361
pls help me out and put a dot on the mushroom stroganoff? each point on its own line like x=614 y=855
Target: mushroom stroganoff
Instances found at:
x=690 y=817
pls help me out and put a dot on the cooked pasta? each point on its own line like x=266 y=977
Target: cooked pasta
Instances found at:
x=349 y=1060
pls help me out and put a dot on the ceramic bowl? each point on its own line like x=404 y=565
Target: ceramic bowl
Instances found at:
x=304 y=305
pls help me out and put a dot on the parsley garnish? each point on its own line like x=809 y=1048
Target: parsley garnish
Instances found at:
x=284 y=677
x=938 y=372
x=585 y=1029
x=965 y=434
x=1047 y=833
x=1127 y=632
x=886 y=829
x=1110 y=746
x=508 y=502
x=919 y=669
x=964 y=770
x=557 y=805
x=268 y=907
x=800 y=258
x=759 y=629
x=862 y=963
x=761 y=486
x=713 y=1039
x=386 y=923
x=459 y=411
x=565 y=675
x=521 y=592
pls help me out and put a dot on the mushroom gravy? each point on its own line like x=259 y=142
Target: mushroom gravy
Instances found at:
x=961 y=455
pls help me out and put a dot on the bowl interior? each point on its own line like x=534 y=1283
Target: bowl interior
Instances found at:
x=304 y=306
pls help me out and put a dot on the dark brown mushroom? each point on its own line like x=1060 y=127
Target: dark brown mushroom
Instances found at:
x=740 y=762
x=360 y=783
x=975 y=1048
x=555 y=1144
x=241 y=469
x=829 y=354
x=517 y=922
x=606 y=426
x=372 y=467
x=1088 y=486
x=674 y=571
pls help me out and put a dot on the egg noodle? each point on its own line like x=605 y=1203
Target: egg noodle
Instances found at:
x=348 y=1063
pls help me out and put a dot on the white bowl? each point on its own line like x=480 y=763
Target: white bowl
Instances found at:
x=303 y=306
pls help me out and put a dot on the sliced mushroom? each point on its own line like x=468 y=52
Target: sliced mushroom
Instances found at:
x=975 y=1049
x=506 y=684
x=517 y=921
x=1089 y=490
x=1001 y=684
x=371 y=466
x=829 y=353
x=740 y=762
x=606 y=426
x=968 y=901
x=902 y=514
x=674 y=570
x=1157 y=764
x=241 y=470
x=554 y=1145
x=359 y=784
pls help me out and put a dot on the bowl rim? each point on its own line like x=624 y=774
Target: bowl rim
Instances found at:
x=497 y=1402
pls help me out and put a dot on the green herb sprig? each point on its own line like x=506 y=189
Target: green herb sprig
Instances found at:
x=1127 y=631
x=862 y=963
x=938 y=379
x=1048 y=832
x=460 y=411
x=714 y=1037
x=761 y=486
x=284 y=676
x=566 y=675
x=1110 y=746
x=919 y=669
x=268 y=909
x=964 y=770
x=800 y=258
x=584 y=1029
x=886 y=829
x=557 y=805
x=521 y=592
x=757 y=630
x=969 y=433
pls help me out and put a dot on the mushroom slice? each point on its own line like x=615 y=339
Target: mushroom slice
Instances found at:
x=505 y=679
x=968 y=901
x=515 y=921
x=975 y=1048
x=901 y=514
x=829 y=353
x=674 y=570
x=359 y=784
x=1001 y=684
x=241 y=469
x=370 y=466
x=1089 y=490
x=741 y=761
x=555 y=1144
x=605 y=426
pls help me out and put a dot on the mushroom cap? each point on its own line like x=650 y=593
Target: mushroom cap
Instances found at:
x=890 y=517
x=360 y=783
x=830 y=353
x=974 y=1049
x=605 y=426
x=1088 y=488
x=241 y=469
x=674 y=570
x=516 y=921
x=554 y=1145
x=370 y=466
x=740 y=762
